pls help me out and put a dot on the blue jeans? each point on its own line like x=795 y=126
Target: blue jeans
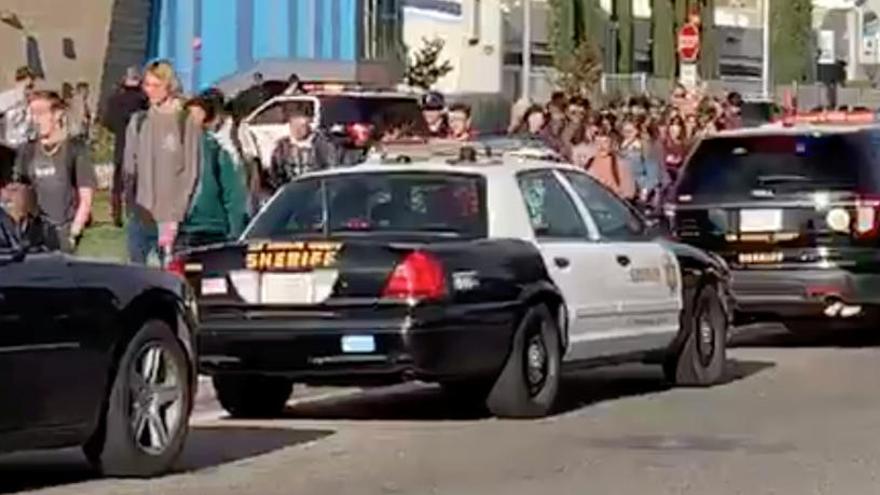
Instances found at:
x=142 y=239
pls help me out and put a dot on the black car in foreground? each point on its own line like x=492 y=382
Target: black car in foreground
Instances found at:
x=794 y=212
x=95 y=355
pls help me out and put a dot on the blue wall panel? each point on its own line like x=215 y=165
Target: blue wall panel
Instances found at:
x=236 y=33
x=168 y=35
x=348 y=26
x=271 y=28
x=324 y=36
x=305 y=28
x=185 y=35
x=219 y=56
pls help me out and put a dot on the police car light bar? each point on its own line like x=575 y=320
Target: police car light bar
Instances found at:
x=831 y=117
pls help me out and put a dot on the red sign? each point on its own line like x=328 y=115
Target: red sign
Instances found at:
x=689 y=43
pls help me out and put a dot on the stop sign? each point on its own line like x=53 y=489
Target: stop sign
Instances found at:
x=689 y=42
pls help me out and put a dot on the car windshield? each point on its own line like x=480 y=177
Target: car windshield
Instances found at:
x=735 y=168
x=449 y=205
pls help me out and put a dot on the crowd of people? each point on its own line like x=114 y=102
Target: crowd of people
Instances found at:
x=181 y=178
x=634 y=147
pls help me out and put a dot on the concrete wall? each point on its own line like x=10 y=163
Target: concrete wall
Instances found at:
x=48 y=22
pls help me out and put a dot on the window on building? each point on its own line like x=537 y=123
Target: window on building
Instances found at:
x=382 y=30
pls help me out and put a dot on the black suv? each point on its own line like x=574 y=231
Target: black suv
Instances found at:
x=794 y=213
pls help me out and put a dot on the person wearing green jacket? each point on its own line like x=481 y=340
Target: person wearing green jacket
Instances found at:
x=218 y=204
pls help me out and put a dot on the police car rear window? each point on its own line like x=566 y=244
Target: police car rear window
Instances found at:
x=443 y=205
x=732 y=168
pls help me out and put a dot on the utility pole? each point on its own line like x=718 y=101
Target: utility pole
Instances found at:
x=765 y=69
x=526 y=92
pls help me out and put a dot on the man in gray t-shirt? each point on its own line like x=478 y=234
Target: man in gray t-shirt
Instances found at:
x=59 y=169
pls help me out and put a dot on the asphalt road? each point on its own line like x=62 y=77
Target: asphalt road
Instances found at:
x=798 y=416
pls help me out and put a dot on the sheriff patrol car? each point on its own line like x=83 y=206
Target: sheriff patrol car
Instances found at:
x=490 y=277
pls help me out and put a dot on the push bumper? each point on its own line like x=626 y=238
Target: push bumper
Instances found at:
x=355 y=346
x=802 y=294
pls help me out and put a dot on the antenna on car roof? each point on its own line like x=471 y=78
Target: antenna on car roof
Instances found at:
x=467 y=154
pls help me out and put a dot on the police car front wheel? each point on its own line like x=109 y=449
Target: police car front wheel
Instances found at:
x=701 y=360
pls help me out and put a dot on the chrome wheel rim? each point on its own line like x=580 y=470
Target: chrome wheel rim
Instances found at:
x=705 y=339
x=536 y=363
x=157 y=392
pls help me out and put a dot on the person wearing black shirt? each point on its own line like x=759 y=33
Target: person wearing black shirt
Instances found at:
x=126 y=101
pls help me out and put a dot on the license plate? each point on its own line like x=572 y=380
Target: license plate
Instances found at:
x=760 y=220
x=214 y=286
x=297 y=288
x=358 y=344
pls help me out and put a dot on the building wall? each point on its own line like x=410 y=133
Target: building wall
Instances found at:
x=474 y=35
x=47 y=23
x=210 y=39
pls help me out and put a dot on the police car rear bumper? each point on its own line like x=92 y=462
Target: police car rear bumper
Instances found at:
x=809 y=293
x=359 y=346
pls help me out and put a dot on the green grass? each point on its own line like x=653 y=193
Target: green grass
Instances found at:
x=102 y=239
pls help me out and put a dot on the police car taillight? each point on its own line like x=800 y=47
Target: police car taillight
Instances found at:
x=420 y=276
x=177 y=266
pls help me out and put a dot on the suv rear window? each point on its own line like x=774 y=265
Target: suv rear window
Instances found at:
x=397 y=115
x=391 y=117
x=736 y=168
x=445 y=205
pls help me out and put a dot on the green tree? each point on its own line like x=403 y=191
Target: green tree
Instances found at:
x=563 y=25
x=662 y=32
x=682 y=7
x=791 y=40
x=708 y=40
x=579 y=72
x=425 y=67
x=623 y=10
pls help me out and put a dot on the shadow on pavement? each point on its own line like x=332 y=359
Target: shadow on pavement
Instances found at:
x=206 y=447
x=411 y=401
x=420 y=402
x=817 y=336
x=592 y=387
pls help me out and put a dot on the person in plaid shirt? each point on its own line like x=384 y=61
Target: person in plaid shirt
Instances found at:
x=303 y=150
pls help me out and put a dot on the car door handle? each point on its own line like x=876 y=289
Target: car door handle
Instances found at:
x=623 y=260
x=561 y=262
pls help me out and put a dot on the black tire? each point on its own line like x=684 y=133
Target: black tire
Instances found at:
x=700 y=362
x=515 y=393
x=253 y=396
x=119 y=448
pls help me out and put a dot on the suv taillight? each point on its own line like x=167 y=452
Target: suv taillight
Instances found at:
x=867 y=216
x=419 y=276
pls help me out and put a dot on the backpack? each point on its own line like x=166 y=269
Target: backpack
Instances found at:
x=140 y=117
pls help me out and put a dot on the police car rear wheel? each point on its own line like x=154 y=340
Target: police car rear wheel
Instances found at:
x=701 y=360
x=253 y=396
x=528 y=385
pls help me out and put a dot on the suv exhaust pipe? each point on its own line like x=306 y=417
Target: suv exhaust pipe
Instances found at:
x=838 y=309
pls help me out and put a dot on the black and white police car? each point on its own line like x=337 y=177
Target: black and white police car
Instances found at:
x=490 y=277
